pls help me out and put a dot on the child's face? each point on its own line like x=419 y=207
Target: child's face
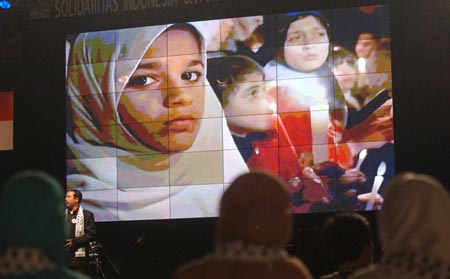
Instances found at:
x=365 y=45
x=248 y=104
x=345 y=73
x=307 y=45
x=163 y=101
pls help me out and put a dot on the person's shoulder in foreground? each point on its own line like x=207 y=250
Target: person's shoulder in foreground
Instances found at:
x=208 y=267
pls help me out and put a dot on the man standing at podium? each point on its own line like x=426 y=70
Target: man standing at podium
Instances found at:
x=81 y=230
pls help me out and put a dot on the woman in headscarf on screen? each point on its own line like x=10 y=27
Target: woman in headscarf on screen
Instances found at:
x=32 y=234
x=414 y=229
x=146 y=135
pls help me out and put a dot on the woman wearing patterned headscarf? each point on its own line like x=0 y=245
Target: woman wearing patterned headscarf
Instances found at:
x=414 y=229
x=32 y=231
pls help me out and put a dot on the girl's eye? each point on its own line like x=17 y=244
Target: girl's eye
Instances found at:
x=191 y=76
x=141 y=81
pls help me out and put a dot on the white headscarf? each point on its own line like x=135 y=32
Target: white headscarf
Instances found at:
x=415 y=229
x=101 y=63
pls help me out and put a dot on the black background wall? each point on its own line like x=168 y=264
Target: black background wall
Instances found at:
x=32 y=65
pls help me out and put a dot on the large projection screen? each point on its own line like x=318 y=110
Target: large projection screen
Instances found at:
x=161 y=119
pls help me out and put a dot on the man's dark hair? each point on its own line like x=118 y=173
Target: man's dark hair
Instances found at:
x=345 y=235
x=77 y=194
x=374 y=35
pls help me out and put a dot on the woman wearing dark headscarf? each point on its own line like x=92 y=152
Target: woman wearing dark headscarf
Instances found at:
x=414 y=229
x=254 y=225
x=32 y=232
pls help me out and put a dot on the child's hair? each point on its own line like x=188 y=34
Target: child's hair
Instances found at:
x=374 y=36
x=341 y=55
x=283 y=22
x=226 y=71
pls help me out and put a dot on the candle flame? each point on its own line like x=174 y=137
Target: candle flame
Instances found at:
x=361 y=64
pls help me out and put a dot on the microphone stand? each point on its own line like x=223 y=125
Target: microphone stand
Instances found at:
x=98 y=267
x=95 y=246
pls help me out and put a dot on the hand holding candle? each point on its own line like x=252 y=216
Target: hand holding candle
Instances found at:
x=376 y=185
x=282 y=129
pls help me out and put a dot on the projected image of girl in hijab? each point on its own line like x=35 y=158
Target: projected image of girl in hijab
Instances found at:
x=146 y=135
x=160 y=119
x=181 y=89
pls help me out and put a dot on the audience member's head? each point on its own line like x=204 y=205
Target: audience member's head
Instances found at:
x=253 y=226
x=349 y=239
x=32 y=232
x=414 y=217
x=414 y=229
x=255 y=209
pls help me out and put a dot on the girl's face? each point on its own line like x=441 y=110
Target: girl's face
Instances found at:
x=163 y=101
x=307 y=44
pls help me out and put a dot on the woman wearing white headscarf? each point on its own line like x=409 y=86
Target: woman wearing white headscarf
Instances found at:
x=146 y=135
x=414 y=229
